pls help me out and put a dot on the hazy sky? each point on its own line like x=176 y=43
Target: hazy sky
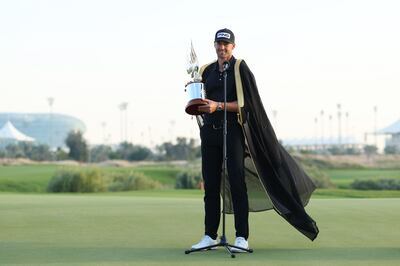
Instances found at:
x=307 y=56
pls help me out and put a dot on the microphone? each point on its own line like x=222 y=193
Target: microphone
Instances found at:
x=225 y=65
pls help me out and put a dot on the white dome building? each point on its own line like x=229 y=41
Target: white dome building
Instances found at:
x=50 y=129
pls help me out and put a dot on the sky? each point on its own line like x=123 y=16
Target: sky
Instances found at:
x=307 y=56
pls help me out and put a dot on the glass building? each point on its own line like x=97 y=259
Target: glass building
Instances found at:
x=45 y=128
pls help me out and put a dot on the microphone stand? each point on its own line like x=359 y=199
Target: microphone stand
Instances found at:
x=223 y=242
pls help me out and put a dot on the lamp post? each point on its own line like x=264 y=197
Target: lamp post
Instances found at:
x=330 y=130
x=322 y=128
x=316 y=133
x=347 y=137
x=171 y=129
x=150 y=136
x=375 y=125
x=339 y=114
x=50 y=101
x=103 y=126
x=123 y=120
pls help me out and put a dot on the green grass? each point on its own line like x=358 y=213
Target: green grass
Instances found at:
x=352 y=193
x=26 y=178
x=34 y=178
x=54 y=229
x=318 y=194
x=164 y=174
x=344 y=177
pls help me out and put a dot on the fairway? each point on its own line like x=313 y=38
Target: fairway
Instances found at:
x=129 y=229
x=344 y=177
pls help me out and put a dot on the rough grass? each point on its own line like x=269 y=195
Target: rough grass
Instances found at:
x=46 y=229
x=164 y=174
x=35 y=178
x=26 y=178
x=344 y=177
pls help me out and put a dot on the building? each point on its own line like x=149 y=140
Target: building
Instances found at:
x=318 y=144
x=45 y=128
x=393 y=131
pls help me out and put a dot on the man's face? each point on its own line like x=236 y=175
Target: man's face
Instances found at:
x=224 y=50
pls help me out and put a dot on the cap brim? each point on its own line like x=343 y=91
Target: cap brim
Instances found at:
x=224 y=40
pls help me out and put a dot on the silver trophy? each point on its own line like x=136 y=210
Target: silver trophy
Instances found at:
x=195 y=88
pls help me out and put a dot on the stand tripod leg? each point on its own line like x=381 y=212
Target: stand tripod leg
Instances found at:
x=248 y=250
x=229 y=251
x=226 y=245
x=203 y=248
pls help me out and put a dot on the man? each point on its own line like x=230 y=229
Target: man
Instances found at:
x=257 y=162
x=212 y=145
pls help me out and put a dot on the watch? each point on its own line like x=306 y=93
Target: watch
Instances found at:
x=219 y=107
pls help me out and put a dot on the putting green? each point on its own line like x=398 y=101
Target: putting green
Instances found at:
x=49 y=229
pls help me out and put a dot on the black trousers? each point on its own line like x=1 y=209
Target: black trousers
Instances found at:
x=212 y=159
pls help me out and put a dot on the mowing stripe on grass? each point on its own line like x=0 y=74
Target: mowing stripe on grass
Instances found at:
x=72 y=229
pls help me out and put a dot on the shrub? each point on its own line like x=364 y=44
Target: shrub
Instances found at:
x=370 y=150
x=94 y=180
x=100 y=153
x=313 y=168
x=130 y=152
x=77 y=180
x=132 y=181
x=188 y=179
x=378 y=184
x=353 y=151
x=320 y=179
x=392 y=149
x=336 y=150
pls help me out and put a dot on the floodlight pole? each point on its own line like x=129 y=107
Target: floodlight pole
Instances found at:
x=339 y=114
x=123 y=108
x=375 y=125
x=50 y=101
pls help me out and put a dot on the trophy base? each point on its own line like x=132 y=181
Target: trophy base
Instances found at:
x=193 y=106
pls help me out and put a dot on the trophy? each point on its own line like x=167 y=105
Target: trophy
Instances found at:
x=195 y=88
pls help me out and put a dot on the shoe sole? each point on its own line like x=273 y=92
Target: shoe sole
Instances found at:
x=236 y=250
x=208 y=248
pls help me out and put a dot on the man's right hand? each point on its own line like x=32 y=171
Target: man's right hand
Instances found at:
x=210 y=106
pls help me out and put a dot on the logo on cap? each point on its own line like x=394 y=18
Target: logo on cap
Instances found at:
x=224 y=35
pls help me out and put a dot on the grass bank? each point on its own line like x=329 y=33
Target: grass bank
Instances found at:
x=35 y=178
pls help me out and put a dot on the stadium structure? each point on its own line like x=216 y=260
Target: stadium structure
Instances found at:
x=45 y=128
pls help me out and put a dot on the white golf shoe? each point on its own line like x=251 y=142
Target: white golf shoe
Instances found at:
x=242 y=243
x=204 y=242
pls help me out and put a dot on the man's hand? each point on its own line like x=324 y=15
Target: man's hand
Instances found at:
x=210 y=107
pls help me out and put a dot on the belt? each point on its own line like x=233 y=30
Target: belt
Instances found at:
x=217 y=126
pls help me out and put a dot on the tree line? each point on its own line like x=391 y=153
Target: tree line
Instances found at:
x=182 y=149
x=79 y=150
